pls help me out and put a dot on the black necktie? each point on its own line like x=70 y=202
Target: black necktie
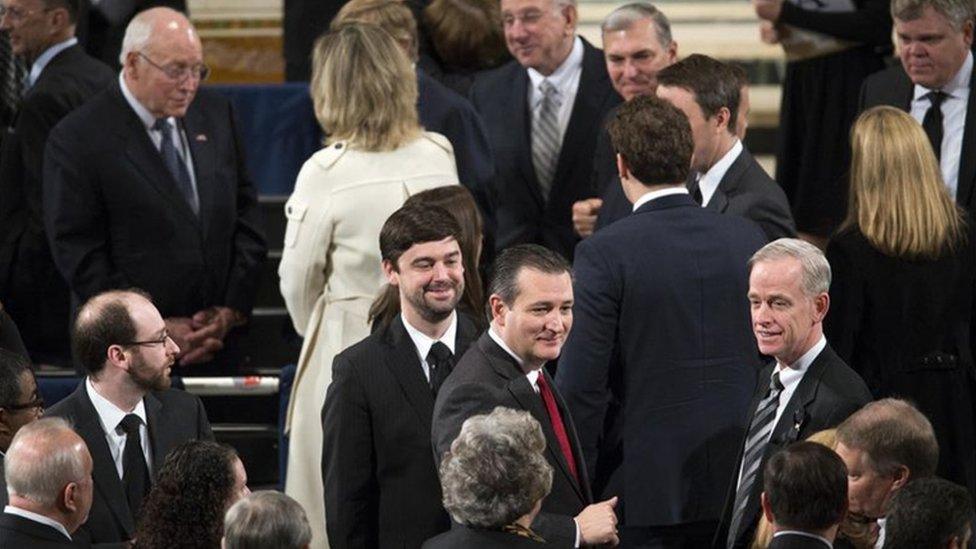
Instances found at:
x=440 y=360
x=932 y=123
x=135 y=472
x=175 y=164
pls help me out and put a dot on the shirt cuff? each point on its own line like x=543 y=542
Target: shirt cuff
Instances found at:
x=577 y=544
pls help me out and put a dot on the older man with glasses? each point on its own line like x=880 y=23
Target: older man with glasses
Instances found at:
x=145 y=186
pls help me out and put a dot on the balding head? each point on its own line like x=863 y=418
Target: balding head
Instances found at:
x=162 y=60
x=48 y=471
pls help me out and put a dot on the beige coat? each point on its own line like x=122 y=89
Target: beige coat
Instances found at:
x=331 y=271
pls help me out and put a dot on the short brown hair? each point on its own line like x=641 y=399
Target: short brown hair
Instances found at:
x=466 y=34
x=806 y=485
x=713 y=83
x=892 y=433
x=511 y=261
x=103 y=321
x=654 y=138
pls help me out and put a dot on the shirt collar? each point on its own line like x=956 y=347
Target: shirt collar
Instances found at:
x=793 y=373
x=148 y=120
x=423 y=342
x=11 y=510
x=531 y=375
x=644 y=199
x=108 y=413
x=960 y=82
x=46 y=57
x=803 y=534
x=561 y=77
x=709 y=182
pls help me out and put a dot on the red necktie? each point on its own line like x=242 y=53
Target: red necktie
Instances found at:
x=557 y=423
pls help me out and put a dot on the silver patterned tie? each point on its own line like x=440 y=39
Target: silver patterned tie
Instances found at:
x=546 y=140
x=12 y=73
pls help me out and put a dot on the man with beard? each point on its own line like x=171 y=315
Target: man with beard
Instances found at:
x=125 y=409
x=380 y=480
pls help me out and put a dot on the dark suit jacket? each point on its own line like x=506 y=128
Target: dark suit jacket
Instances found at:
x=472 y=538
x=486 y=377
x=795 y=541
x=443 y=111
x=828 y=393
x=173 y=417
x=662 y=351
x=16 y=532
x=893 y=87
x=30 y=285
x=747 y=191
x=381 y=482
x=905 y=326
x=103 y=38
x=116 y=219
x=501 y=96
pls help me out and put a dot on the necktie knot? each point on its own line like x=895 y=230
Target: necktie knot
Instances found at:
x=775 y=385
x=936 y=97
x=130 y=424
x=161 y=125
x=439 y=353
x=549 y=92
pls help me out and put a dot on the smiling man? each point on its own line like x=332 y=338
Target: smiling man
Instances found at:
x=807 y=389
x=124 y=409
x=380 y=479
x=934 y=83
x=531 y=305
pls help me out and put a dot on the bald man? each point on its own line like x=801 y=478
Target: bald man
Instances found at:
x=145 y=186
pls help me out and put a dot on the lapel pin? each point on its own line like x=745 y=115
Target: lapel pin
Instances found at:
x=201 y=137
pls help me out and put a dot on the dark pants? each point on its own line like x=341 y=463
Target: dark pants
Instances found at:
x=693 y=535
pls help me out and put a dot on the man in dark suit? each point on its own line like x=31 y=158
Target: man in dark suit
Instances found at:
x=659 y=397
x=102 y=24
x=44 y=455
x=531 y=300
x=145 y=186
x=61 y=78
x=725 y=178
x=933 y=83
x=380 y=479
x=20 y=404
x=125 y=410
x=804 y=496
x=807 y=389
x=542 y=112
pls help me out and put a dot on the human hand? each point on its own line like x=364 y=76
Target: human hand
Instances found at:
x=598 y=524
x=179 y=329
x=768 y=33
x=584 y=215
x=768 y=9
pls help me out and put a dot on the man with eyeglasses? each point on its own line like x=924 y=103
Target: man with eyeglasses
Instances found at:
x=146 y=186
x=20 y=404
x=60 y=78
x=125 y=410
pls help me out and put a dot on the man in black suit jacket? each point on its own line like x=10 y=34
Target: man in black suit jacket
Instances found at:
x=380 y=480
x=145 y=186
x=123 y=343
x=925 y=68
x=50 y=472
x=660 y=367
x=531 y=299
x=814 y=389
x=804 y=496
x=62 y=77
x=543 y=144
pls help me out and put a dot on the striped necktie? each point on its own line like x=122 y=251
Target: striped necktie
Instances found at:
x=546 y=140
x=756 y=440
x=12 y=72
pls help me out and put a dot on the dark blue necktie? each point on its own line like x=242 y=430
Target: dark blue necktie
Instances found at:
x=177 y=168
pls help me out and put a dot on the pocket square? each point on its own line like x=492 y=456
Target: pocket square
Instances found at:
x=200 y=137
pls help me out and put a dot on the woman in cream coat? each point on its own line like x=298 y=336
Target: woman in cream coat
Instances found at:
x=377 y=156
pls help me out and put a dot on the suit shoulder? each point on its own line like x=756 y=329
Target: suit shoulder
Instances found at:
x=99 y=108
x=176 y=398
x=886 y=87
x=492 y=80
x=362 y=352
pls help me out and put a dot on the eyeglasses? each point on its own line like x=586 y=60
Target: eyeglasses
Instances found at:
x=149 y=342
x=17 y=15
x=180 y=72
x=38 y=403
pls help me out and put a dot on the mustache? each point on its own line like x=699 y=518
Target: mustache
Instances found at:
x=438 y=286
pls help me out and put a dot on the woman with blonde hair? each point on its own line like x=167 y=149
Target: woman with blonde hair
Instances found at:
x=376 y=156
x=902 y=295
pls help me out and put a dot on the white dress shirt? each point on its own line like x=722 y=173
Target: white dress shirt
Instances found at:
x=423 y=343
x=565 y=79
x=647 y=197
x=953 y=120
x=881 y=530
x=183 y=150
x=47 y=521
x=708 y=183
x=45 y=58
x=110 y=416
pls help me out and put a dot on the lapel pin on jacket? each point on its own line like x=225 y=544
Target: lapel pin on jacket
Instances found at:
x=201 y=137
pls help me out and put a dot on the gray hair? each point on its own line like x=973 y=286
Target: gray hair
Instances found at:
x=137 y=36
x=815 y=278
x=958 y=12
x=495 y=471
x=892 y=433
x=266 y=520
x=38 y=464
x=625 y=16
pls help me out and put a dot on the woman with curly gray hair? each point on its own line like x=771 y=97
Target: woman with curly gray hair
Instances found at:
x=494 y=478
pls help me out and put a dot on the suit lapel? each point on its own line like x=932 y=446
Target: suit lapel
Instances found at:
x=201 y=151
x=967 y=160
x=404 y=364
x=159 y=442
x=795 y=414
x=730 y=182
x=104 y=473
